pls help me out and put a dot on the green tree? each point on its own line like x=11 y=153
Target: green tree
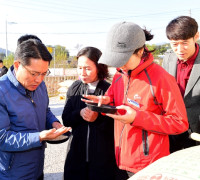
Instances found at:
x=60 y=57
x=8 y=61
x=151 y=47
x=158 y=49
x=72 y=62
x=61 y=53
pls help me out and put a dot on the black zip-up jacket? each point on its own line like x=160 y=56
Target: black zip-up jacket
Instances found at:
x=91 y=147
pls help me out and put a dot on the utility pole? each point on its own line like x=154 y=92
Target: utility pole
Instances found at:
x=6 y=40
x=54 y=57
x=7 y=35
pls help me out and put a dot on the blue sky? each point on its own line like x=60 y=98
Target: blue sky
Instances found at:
x=86 y=22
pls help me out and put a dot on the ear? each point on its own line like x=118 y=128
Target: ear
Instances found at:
x=16 y=65
x=196 y=37
x=140 y=52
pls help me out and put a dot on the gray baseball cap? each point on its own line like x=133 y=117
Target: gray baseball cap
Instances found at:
x=122 y=41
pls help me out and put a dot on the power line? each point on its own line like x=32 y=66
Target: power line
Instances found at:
x=92 y=15
x=102 y=19
x=73 y=5
x=62 y=10
x=57 y=33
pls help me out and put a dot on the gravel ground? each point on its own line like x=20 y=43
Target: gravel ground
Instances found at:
x=55 y=153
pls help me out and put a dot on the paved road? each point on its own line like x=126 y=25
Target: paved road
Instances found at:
x=55 y=153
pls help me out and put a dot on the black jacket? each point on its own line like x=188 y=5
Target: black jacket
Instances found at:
x=92 y=139
x=3 y=71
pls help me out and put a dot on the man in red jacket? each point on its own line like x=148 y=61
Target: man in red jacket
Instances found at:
x=149 y=103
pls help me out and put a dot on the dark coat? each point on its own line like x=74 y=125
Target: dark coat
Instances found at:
x=4 y=70
x=95 y=139
x=191 y=100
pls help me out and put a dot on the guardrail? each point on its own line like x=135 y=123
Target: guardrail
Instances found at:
x=53 y=81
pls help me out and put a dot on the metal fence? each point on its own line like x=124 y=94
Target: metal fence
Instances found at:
x=59 y=75
x=52 y=83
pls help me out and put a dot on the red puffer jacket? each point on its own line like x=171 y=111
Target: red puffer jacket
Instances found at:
x=145 y=140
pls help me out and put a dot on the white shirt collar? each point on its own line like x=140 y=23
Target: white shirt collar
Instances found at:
x=92 y=86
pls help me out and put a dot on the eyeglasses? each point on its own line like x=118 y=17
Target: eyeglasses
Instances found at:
x=37 y=74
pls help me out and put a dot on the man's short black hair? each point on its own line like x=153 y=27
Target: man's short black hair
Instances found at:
x=32 y=48
x=182 y=28
x=27 y=37
x=1 y=61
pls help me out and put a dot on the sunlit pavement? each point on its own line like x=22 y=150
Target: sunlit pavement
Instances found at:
x=55 y=153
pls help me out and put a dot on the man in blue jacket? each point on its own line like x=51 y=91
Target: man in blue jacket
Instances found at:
x=25 y=115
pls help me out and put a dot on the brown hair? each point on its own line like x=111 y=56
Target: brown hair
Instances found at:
x=182 y=27
x=148 y=37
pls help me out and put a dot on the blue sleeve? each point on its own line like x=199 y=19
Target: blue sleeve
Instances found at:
x=11 y=140
x=18 y=141
x=15 y=141
x=50 y=119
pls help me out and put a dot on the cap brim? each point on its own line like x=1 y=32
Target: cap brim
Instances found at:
x=115 y=59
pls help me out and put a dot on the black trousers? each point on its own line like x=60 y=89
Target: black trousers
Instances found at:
x=41 y=177
x=180 y=141
x=123 y=175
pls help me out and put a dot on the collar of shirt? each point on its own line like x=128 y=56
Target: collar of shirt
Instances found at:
x=92 y=86
x=184 y=69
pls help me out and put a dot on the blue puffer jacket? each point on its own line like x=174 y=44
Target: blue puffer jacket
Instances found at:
x=21 y=153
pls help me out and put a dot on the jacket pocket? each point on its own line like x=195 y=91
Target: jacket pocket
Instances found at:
x=145 y=142
x=6 y=159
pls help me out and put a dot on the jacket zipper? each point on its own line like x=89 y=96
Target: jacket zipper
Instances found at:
x=87 y=144
x=145 y=142
x=120 y=139
x=28 y=95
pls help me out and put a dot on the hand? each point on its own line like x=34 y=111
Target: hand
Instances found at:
x=88 y=115
x=127 y=118
x=57 y=125
x=53 y=133
x=95 y=99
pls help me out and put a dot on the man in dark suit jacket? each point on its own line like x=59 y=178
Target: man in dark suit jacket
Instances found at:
x=183 y=62
x=3 y=69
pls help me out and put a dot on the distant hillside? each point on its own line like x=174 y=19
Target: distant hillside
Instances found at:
x=4 y=51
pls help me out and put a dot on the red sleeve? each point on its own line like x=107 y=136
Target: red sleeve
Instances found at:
x=110 y=91
x=174 y=120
